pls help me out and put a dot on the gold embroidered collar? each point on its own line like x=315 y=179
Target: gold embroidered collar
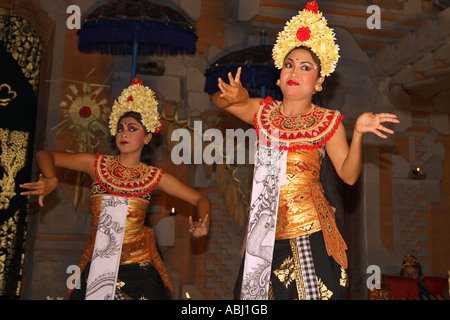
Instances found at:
x=120 y=180
x=306 y=131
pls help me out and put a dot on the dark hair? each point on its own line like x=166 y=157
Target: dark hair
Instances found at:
x=148 y=148
x=136 y=115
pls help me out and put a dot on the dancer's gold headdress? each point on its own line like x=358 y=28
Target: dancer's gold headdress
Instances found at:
x=411 y=261
x=308 y=28
x=140 y=99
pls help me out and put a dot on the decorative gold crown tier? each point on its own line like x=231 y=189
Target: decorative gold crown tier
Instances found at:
x=309 y=29
x=137 y=98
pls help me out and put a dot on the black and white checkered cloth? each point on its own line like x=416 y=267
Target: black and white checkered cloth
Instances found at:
x=307 y=265
x=119 y=295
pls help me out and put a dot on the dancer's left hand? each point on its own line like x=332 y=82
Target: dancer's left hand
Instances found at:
x=198 y=228
x=370 y=122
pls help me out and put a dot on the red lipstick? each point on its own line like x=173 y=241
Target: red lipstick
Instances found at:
x=292 y=83
x=123 y=142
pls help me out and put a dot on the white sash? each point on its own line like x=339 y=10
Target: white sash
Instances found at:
x=269 y=175
x=101 y=284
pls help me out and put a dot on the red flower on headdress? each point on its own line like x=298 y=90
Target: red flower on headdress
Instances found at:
x=312 y=6
x=130 y=98
x=303 y=34
x=158 y=129
x=137 y=81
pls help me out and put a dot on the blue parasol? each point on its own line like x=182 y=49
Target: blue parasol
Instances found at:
x=136 y=27
x=259 y=74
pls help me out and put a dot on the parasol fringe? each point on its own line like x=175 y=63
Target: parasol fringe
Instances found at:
x=115 y=37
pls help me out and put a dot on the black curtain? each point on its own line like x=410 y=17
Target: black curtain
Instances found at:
x=19 y=59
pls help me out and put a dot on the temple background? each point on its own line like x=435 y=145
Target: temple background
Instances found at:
x=403 y=67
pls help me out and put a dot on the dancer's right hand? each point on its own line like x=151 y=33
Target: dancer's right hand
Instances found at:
x=40 y=188
x=233 y=93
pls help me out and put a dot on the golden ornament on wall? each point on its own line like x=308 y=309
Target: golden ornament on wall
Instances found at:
x=85 y=112
x=13 y=158
x=6 y=94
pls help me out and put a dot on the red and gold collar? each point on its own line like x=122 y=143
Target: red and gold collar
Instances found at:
x=307 y=131
x=120 y=180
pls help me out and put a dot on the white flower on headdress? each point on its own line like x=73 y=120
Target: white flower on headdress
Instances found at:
x=140 y=99
x=308 y=28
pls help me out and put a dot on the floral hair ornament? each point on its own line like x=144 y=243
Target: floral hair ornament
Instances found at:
x=137 y=98
x=309 y=29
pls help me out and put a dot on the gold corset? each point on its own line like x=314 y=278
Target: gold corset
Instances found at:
x=139 y=243
x=300 y=195
x=135 y=246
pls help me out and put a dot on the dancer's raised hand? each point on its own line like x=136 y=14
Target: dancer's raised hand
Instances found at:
x=233 y=92
x=371 y=122
x=198 y=228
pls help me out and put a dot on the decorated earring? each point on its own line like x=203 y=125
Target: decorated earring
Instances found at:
x=318 y=87
x=278 y=82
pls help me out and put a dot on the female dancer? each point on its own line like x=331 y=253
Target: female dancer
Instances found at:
x=122 y=181
x=293 y=247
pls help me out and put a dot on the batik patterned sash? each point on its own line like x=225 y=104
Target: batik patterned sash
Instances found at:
x=269 y=174
x=101 y=284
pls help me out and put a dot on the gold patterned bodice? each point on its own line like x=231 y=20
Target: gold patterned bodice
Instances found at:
x=136 y=247
x=297 y=206
x=113 y=178
x=135 y=183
